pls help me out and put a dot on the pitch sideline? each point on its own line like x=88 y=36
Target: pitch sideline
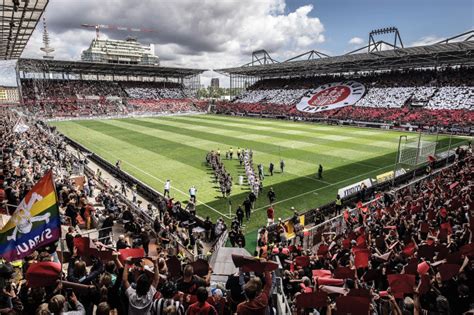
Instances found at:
x=161 y=181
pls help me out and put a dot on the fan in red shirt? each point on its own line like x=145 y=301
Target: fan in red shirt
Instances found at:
x=270 y=215
x=256 y=303
x=201 y=307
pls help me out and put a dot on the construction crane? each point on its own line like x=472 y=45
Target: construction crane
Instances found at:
x=115 y=28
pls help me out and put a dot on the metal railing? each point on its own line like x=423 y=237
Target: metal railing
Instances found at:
x=282 y=305
x=337 y=224
x=147 y=218
x=88 y=234
x=216 y=246
x=403 y=179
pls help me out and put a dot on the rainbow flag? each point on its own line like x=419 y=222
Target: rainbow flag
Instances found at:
x=34 y=223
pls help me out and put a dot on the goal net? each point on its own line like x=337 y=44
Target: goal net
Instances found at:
x=416 y=152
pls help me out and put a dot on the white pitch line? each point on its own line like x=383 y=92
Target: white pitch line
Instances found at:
x=309 y=192
x=161 y=181
x=318 y=189
x=311 y=178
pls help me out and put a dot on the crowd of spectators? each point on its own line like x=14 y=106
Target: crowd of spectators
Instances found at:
x=165 y=106
x=390 y=97
x=35 y=89
x=414 y=116
x=164 y=282
x=452 y=97
x=407 y=252
x=274 y=96
x=77 y=98
x=75 y=108
x=152 y=91
x=415 y=97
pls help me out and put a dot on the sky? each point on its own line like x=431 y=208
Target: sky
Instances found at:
x=223 y=33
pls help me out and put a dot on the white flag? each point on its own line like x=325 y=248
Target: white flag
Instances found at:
x=20 y=126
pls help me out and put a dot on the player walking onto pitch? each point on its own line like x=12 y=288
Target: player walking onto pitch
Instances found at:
x=320 y=172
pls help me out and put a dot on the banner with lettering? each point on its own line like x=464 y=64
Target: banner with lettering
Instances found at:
x=34 y=223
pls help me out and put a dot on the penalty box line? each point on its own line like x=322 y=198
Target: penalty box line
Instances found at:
x=161 y=181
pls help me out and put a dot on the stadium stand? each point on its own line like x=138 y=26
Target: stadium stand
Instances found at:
x=404 y=251
x=426 y=98
x=74 y=98
x=91 y=211
x=391 y=97
x=145 y=90
x=420 y=235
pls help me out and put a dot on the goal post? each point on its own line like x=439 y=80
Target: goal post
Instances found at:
x=412 y=152
x=415 y=151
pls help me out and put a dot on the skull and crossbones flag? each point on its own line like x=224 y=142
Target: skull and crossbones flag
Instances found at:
x=34 y=223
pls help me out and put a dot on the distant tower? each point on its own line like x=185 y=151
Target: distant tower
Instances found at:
x=47 y=49
x=215 y=83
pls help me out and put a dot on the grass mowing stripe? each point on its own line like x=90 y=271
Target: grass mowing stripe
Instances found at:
x=193 y=144
x=306 y=126
x=360 y=133
x=317 y=138
x=336 y=148
x=364 y=133
x=298 y=154
x=99 y=149
x=168 y=166
x=181 y=153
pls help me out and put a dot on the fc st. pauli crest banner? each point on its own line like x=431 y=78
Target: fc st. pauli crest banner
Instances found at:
x=331 y=96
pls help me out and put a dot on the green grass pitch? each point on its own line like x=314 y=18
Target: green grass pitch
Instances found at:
x=174 y=147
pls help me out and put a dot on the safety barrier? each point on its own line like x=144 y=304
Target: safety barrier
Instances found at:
x=337 y=224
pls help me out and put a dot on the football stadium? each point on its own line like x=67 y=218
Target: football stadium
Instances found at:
x=144 y=171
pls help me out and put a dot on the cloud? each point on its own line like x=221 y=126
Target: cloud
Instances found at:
x=188 y=33
x=8 y=73
x=433 y=39
x=356 y=41
x=426 y=40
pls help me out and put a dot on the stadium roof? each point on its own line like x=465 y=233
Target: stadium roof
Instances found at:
x=17 y=22
x=440 y=54
x=83 y=67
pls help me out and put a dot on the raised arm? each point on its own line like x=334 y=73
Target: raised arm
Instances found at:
x=125 y=282
x=156 y=277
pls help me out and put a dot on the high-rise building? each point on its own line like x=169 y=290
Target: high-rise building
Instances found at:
x=9 y=95
x=215 y=83
x=127 y=51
